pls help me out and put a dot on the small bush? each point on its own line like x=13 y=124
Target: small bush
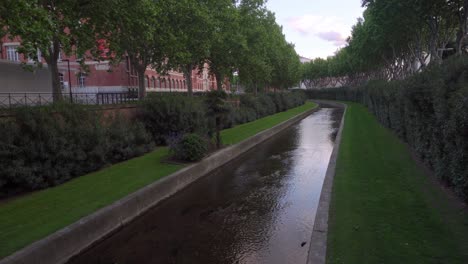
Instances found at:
x=190 y=147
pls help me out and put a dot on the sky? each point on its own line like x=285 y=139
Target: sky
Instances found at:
x=317 y=27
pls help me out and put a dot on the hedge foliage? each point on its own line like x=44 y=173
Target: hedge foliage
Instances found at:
x=255 y=107
x=169 y=115
x=46 y=146
x=166 y=115
x=428 y=110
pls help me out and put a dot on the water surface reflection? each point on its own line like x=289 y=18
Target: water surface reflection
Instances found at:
x=257 y=209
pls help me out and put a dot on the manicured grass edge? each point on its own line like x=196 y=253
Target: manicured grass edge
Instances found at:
x=384 y=208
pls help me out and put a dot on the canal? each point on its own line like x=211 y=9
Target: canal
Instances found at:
x=259 y=208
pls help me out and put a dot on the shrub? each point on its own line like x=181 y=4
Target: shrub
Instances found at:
x=164 y=115
x=428 y=110
x=190 y=147
x=46 y=146
x=255 y=107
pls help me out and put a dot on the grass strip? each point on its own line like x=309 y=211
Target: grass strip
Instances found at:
x=384 y=208
x=34 y=216
x=237 y=134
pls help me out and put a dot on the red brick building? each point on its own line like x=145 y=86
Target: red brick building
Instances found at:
x=101 y=77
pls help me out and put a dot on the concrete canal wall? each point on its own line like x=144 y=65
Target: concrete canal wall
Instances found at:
x=65 y=243
x=318 y=242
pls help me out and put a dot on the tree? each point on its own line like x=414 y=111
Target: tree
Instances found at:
x=51 y=27
x=254 y=68
x=228 y=44
x=137 y=31
x=217 y=109
x=192 y=26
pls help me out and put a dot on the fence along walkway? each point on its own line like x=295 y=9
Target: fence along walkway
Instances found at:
x=13 y=100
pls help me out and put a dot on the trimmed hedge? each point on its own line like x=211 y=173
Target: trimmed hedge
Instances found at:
x=42 y=147
x=176 y=114
x=166 y=115
x=253 y=108
x=428 y=110
x=46 y=146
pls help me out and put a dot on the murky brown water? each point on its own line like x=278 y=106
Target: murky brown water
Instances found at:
x=258 y=209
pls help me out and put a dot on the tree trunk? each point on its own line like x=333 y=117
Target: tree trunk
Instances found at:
x=219 y=81
x=218 y=132
x=188 y=78
x=56 y=85
x=434 y=37
x=141 y=82
x=52 y=63
x=461 y=34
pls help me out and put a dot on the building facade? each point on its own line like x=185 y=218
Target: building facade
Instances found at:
x=102 y=77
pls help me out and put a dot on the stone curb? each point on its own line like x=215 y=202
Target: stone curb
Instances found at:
x=60 y=246
x=318 y=241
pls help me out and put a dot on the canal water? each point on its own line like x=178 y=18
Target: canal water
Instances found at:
x=259 y=208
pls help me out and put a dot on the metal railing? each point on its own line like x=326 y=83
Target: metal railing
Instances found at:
x=14 y=100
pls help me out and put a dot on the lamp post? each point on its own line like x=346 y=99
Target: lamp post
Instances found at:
x=236 y=77
x=69 y=80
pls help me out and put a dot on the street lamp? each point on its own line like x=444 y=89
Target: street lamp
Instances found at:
x=69 y=80
x=236 y=77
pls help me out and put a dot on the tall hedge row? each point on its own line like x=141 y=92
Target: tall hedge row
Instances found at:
x=46 y=146
x=43 y=147
x=172 y=115
x=255 y=107
x=428 y=110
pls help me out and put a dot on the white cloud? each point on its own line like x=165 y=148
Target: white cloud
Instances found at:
x=328 y=28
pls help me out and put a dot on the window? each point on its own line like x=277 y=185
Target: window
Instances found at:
x=62 y=80
x=82 y=80
x=39 y=57
x=12 y=53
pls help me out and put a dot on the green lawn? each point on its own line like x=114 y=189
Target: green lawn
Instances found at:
x=384 y=208
x=34 y=216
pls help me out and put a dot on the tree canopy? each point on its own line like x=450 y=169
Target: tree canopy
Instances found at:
x=394 y=39
x=51 y=27
x=183 y=35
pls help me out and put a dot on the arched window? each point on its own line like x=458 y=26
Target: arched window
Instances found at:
x=146 y=81
x=164 y=83
x=173 y=83
x=169 y=82
x=153 y=82
x=158 y=83
x=81 y=80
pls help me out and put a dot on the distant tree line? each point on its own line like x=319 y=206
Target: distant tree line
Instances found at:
x=231 y=36
x=394 y=40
